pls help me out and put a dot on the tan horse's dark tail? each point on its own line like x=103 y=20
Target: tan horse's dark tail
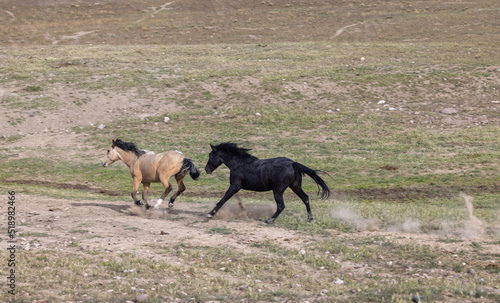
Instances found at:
x=188 y=165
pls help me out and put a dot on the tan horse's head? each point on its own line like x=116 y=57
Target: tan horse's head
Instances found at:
x=111 y=156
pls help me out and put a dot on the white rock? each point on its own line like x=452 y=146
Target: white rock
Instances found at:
x=339 y=281
x=166 y=119
x=448 y=111
x=381 y=102
x=141 y=298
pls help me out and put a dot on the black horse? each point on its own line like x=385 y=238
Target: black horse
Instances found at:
x=249 y=172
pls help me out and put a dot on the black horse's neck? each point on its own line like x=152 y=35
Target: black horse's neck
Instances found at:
x=232 y=160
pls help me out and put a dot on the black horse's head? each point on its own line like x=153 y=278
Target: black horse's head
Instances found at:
x=214 y=160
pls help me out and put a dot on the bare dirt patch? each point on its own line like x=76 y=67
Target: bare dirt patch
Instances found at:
x=119 y=226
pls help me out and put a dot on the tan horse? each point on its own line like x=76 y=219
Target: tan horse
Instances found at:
x=148 y=167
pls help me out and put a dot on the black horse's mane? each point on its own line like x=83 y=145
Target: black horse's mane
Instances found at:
x=233 y=149
x=128 y=146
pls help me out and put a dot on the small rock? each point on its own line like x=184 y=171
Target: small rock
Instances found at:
x=101 y=126
x=166 y=119
x=141 y=298
x=333 y=111
x=448 y=111
x=339 y=281
x=302 y=252
x=257 y=114
x=381 y=102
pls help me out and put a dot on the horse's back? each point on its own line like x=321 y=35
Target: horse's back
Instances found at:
x=170 y=161
x=166 y=164
x=275 y=163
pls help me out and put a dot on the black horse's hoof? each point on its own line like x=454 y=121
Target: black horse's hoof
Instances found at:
x=147 y=206
x=170 y=204
x=269 y=221
x=209 y=215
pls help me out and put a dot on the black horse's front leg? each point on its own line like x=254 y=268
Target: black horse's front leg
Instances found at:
x=233 y=189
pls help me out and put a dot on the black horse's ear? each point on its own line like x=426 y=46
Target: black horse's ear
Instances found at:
x=113 y=141
x=213 y=147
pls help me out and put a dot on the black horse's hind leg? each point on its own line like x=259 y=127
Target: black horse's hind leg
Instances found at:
x=297 y=189
x=280 y=206
x=233 y=189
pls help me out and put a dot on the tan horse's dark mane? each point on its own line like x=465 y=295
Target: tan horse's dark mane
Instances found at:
x=128 y=146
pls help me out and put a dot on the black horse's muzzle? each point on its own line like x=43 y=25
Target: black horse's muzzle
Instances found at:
x=208 y=170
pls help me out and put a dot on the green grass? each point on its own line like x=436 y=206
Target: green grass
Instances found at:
x=267 y=272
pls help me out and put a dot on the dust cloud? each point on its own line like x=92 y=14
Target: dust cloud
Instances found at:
x=408 y=226
x=231 y=211
x=349 y=216
x=469 y=229
x=474 y=228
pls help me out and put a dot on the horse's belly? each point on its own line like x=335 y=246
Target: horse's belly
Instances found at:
x=258 y=186
x=150 y=177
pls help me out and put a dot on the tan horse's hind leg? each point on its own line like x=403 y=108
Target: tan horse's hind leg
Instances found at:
x=168 y=187
x=180 y=188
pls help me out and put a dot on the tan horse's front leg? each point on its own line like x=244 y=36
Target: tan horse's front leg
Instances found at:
x=145 y=190
x=135 y=188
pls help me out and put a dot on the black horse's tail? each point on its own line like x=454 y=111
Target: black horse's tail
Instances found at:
x=188 y=165
x=302 y=169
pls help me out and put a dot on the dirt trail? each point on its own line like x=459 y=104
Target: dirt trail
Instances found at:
x=120 y=226
x=57 y=224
